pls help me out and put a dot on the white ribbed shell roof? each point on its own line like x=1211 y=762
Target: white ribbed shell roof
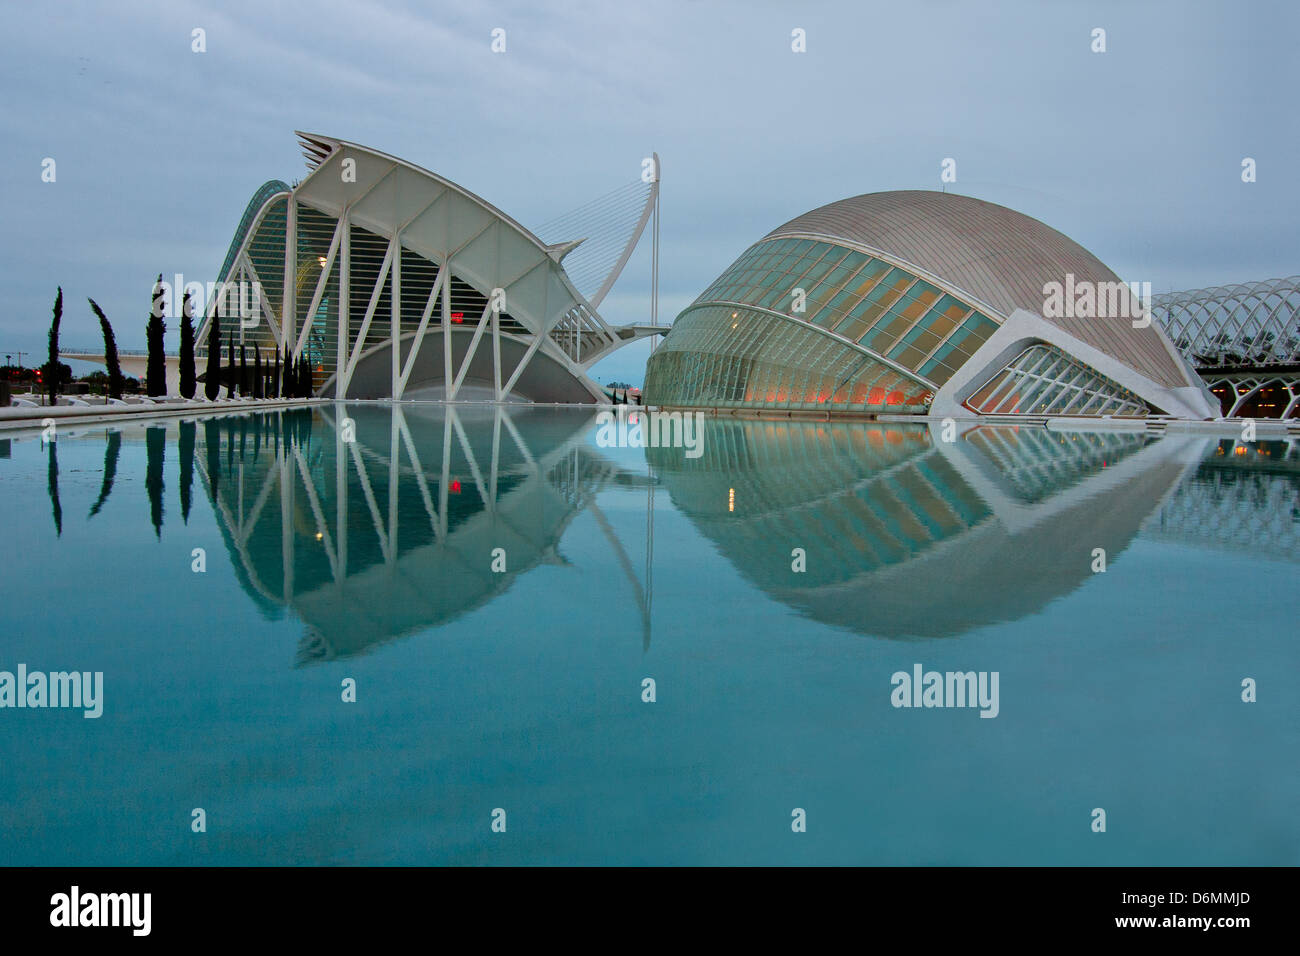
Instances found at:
x=996 y=255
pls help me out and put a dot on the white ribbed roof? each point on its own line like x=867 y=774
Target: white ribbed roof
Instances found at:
x=994 y=254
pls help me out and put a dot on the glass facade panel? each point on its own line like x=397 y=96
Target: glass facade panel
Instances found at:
x=1043 y=380
x=904 y=319
x=735 y=357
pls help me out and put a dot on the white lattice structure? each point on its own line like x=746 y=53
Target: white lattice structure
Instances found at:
x=1243 y=339
x=396 y=282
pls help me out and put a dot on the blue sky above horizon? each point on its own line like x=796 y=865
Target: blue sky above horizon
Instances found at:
x=1135 y=153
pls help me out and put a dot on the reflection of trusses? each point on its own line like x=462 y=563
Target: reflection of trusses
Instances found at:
x=1251 y=324
x=1235 y=509
x=416 y=555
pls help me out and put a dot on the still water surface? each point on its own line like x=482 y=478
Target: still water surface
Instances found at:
x=522 y=689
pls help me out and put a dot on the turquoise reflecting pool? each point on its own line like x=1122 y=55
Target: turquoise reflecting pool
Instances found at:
x=499 y=585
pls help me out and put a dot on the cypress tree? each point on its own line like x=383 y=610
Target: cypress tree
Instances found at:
x=275 y=377
x=243 y=370
x=212 y=377
x=189 y=381
x=287 y=387
x=307 y=388
x=155 y=328
x=259 y=385
x=110 y=352
x=52 y=370
x=231 y=383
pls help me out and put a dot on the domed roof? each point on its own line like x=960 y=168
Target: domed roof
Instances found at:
x=994 y=254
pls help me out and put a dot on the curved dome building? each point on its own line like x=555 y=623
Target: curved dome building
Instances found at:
x=921 y=302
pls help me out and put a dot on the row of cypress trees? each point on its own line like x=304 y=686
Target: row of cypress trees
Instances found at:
x=285 y=378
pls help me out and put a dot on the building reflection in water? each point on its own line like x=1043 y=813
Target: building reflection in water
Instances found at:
x=905 y=535
x=394 y=532
x=908 y=536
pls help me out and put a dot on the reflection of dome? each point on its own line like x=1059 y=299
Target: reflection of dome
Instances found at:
x=918 y=301
x=906 y=537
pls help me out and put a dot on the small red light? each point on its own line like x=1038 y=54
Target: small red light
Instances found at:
x=455 y=486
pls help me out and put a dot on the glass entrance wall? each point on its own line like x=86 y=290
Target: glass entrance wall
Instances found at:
x=1043 y=380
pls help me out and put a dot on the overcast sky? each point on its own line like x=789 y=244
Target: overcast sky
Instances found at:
x=1136 y=152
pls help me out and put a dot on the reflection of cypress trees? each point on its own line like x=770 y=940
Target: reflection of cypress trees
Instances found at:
x=187 y=467
x=212 y=447
x=257 y=435
x=299 y=427
x=228 y=427
x=111 y=452
x=52 y=482
x=243 y=436
x=155 y=442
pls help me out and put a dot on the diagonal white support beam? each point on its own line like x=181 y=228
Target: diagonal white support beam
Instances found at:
x=473 y=347
x=265 y=306
x=345 y=302
x=395 y=320
x=321 y=283
x=523 y=362
x=405 y=375
x=287 y=304
x=375 y=293
x=446 y=329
